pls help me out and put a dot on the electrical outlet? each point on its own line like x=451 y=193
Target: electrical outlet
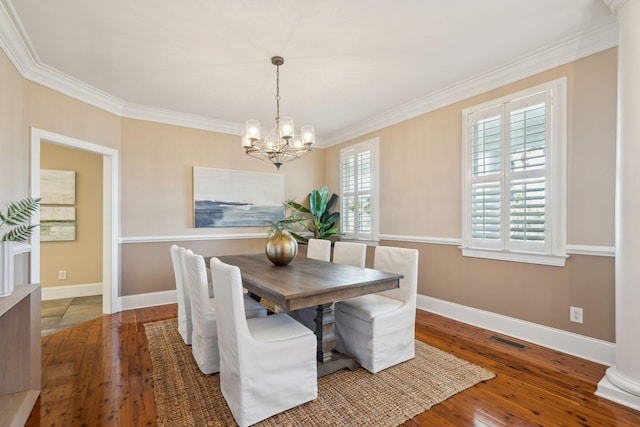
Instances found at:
x=575 y=314
x=62 y=275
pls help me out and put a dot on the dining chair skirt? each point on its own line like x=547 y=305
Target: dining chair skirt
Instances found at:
x=267 y=364
x=185 y=326
x=378 y=330
x=204 y=337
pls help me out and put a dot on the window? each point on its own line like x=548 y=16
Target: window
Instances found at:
x=359 y=190
x=514 y=183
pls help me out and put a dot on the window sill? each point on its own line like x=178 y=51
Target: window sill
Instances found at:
x=526 y=257
x=368 y=242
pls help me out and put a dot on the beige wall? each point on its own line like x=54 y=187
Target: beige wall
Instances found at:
x=420 y=192
x=157 y=176
x=157 y=195
x=420 y=189
x=14 y=153
x=81 y=258
x=54 y=112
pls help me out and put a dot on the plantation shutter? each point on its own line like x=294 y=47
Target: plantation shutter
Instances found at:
x=514 y=182
x=357 y=192
x=348 y=214
x=527 y=173
x=486 y=161
x=508 y=175
x=363 y=162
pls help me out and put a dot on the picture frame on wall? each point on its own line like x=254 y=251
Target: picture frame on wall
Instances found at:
x=232 y=198
x=57 y=205
x=57 y=187
x=57 y=223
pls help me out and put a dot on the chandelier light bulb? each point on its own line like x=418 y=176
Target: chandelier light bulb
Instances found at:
x=246 y=141
x=286 y=127
x=308 y=135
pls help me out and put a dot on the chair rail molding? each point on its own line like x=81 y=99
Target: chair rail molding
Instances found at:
x=591 y=250
x=192 y=237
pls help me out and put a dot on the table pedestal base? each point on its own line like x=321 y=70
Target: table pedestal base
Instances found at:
x=329 y=360
x=338 y=361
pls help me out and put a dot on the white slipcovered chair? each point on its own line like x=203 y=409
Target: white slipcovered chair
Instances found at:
x=350 y=253
x=267 y=364
x=204 y=338
x=378 y=330
x=347 y=253
x=185 y=326
x=319 y=249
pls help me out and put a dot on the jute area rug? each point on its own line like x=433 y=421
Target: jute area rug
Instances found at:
x=186 y=397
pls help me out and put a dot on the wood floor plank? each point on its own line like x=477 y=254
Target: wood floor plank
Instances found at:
x=99 y=373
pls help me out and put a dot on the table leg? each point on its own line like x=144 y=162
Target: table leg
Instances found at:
x=325 y=332
x=328 y=359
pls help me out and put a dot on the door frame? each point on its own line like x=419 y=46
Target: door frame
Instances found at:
x=111 y=302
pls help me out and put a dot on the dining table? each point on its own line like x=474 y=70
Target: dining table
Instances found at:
x=307 y=282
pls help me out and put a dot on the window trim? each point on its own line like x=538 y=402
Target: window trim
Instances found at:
x=556 y=176
x=372 y=238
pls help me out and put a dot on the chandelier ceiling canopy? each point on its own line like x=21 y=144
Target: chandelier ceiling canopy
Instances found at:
x=281 y=144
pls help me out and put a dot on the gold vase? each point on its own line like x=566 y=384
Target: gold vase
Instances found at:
x=281 y=247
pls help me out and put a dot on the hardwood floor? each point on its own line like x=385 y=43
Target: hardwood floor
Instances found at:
x=99 y=373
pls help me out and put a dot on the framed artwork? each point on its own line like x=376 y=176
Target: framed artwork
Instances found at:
x=57 y=223
x=57 y=218
x=231 y=198
x=57 y=187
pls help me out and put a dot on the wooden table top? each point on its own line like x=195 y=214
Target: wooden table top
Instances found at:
x=308 y=282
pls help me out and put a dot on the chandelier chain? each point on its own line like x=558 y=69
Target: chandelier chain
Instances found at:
x=277 y=92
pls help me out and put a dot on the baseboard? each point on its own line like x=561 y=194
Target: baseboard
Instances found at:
x=567 y=342
x=151 y=299
x=71 y=291
x=610 y=391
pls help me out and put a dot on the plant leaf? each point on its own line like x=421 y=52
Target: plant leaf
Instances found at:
x=299 y=238
x=318 y=201
x=332 y=201
x=17 y=215
x=20 y=233
x=298 y=207
x=332 y=218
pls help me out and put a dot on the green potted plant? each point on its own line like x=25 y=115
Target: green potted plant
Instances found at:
x=323 y=221
x=15 y=218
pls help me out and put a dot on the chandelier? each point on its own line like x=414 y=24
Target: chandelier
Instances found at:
x=281 y=144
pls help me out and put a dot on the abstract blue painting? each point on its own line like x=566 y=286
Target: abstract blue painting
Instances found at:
x=232 y=198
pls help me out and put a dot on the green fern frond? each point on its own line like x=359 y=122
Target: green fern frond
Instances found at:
x=19 y=234
x=20 y=212
x=17 y=215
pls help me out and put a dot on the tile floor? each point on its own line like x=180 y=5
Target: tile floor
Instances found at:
x=61 y=313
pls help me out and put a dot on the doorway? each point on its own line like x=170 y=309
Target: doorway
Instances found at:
x=110 y=224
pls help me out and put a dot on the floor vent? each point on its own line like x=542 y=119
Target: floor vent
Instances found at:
x=507 y=342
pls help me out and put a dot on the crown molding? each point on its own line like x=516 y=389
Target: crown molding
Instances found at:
x=67 y=85
x=141 y=112
x=15 y=44
x=12 y=43
x=544 y=59
x=615 y=5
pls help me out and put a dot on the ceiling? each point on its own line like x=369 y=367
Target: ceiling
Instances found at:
x=350 y=65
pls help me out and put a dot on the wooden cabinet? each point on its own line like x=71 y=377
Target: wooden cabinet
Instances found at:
x=20 y=354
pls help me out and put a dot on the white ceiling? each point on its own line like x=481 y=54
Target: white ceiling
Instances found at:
x=348 y=63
